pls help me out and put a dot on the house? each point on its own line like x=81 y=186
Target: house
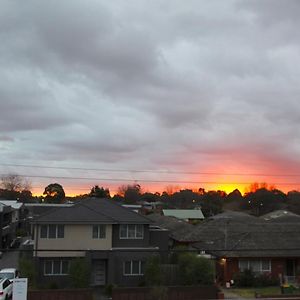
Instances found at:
x=115 y=241
x=238 y=241
x=189 y=215
x=237 y=244
x=5 y=225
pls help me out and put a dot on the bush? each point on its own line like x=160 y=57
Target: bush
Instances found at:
x=79 y=273
x=108 y=289
x=27 y=270
x=153 y=276
x=248 y=278
x=245 y=278
x=195 y=270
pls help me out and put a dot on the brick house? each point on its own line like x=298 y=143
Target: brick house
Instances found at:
x=115 y=241
x=238 y=241
x=270 y=248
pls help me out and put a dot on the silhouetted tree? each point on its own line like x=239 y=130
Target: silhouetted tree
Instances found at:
x=99 y=192
x=54 y=193
x=212 y=202
x=130 y=193
x=15 y=187
x=263 y=201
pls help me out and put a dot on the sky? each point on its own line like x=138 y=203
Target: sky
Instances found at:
x=164 y=93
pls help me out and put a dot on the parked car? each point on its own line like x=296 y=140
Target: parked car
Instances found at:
x=5 y=289
x=15 y=243
x=10 y=274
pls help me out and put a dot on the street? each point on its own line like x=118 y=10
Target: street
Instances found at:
x=9 y=259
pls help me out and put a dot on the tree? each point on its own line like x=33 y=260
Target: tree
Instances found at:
x=153 y=275
x=27 y=270
x=263 y=201
x=13 y=185
x=195 y=270
x=131 y=193
x=79 y=271
x=54 y=193
x=212 y=202
x=98 y=192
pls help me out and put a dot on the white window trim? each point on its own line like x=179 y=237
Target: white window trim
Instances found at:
x=52 y=268
x=98 y=232
x=131 y=268
x=135 y=231
x=48 y=231
x=261 y=270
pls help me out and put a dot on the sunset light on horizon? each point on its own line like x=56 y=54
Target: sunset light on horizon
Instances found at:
x=164 y=94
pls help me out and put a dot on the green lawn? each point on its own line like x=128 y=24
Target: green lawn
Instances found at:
x=250 y=292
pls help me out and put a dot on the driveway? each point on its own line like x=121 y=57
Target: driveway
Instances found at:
x=9 y=259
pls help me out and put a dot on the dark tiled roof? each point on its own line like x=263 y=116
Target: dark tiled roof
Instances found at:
x=91 y=211
x=178 y=228
x=255 y=240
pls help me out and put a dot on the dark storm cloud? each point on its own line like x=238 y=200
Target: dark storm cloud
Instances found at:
x=149 y=84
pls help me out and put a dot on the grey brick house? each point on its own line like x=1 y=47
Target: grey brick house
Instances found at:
x=115 y=241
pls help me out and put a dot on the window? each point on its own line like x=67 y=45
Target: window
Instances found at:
x=131 y=231
x=256 y=266
x=266 y=266
x=133 y=267
x=52 y=231
x=99 y=232
x=56 y=267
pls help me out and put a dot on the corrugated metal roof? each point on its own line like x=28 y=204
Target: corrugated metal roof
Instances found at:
x=184 y=213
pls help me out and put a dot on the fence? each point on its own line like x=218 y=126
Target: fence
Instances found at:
x=167 y=293
x=76 y=294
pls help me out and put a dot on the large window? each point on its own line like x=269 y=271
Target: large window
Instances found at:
x=257 y=266
x=52 y=232
x=56 y=267
x=131 y=231
x=99 y=231
x=133 y=268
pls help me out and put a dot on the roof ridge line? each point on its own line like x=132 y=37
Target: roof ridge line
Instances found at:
x=99 y=213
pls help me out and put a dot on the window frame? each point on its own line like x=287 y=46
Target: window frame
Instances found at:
x=101 y=228
x=141 y=267
x=260 y=261
x=138 y=232
x=45 y=231
x=52 y=262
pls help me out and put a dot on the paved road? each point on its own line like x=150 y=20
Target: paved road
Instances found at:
x=9 y=260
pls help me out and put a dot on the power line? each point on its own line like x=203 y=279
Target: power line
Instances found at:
x=149 y=171
x=145 y=180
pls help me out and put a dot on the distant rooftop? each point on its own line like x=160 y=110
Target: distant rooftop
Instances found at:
x=184 y=214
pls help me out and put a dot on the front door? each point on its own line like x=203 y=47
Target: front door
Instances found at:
x=290 y=269
x=98 y=272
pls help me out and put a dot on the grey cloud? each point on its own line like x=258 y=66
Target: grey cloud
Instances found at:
x=156 y=84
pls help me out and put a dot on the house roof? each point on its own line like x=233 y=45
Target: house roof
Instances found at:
x=281 y=216
x=251 y=240
x=92 y=211
x=184 y=213
x=13 y=203
x=178 y=228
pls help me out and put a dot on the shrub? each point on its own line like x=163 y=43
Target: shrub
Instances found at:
x=27 y=270
x=245 y=278
x=79 y=273
x=248 y=278
x=153 y=276
x=194 y=270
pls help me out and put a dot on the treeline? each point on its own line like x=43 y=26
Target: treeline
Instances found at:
x=258 y=200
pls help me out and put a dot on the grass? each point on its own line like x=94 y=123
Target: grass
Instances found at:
x=250 y=292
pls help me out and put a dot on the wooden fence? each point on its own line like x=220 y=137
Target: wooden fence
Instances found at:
x=70 y=294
